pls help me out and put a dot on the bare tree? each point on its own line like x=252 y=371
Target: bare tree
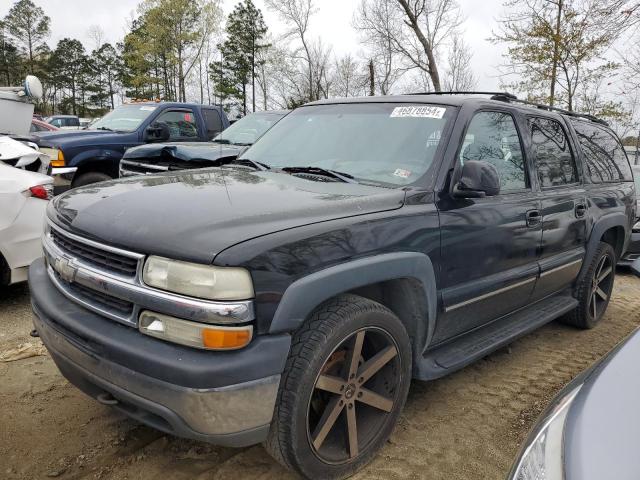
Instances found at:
x=96 y=33
x=416 y=29
x=459 y=75
x=380 y=24
x=297 y=15
x=348 y=78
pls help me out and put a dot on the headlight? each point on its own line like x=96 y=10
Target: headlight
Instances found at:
x=194 y=334
x=200 y=281
x=56 y=157
x=541 y=458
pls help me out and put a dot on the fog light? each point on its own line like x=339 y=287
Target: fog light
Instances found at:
x=194 y=334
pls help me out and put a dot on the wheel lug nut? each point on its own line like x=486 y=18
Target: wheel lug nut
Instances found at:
x=353 y=375
x=350 y=406
x=360 y=380
x=359 y=394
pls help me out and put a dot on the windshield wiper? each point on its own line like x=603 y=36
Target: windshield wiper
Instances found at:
x=222 y=141
x=343 y=177
x=250 y=163
x=105 y=128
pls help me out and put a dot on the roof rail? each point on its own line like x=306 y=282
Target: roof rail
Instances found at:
x=509 y=97
x=504 y=95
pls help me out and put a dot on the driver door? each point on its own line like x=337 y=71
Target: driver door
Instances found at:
x=490 y=245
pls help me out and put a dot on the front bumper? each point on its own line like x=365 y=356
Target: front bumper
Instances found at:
x=633 y=250
x=226 y=398
x=62 y=178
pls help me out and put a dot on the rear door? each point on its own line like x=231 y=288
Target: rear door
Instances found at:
x=489 y=246
x=564 y=204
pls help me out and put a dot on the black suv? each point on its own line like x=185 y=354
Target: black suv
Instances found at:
x=290 y=298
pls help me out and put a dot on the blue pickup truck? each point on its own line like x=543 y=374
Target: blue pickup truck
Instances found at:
x=88 y=156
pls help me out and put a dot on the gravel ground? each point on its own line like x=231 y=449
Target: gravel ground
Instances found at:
x=466 y=426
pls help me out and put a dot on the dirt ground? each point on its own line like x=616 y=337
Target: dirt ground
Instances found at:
x=466 y=426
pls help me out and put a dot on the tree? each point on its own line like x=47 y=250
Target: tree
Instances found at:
x=246 y=32
x=557 y=47
x=380 y=24
x=348 y=79
x=70 y=60
x=459 y=75
x=29 y=27
x=107 y=66
x=414 y=29
x=10 y=61
x=297 y=14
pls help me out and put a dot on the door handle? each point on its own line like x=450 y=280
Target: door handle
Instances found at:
x=533 y=218
x=580 y=210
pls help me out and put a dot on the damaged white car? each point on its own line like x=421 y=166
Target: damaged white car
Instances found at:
x=23 y=200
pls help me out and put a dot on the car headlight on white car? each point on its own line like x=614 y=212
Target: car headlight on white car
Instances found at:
x=197 y=280
x=541 y=457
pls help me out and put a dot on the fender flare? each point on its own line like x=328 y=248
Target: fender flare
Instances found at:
x=306 y=293
x=611 y=220
x=96 y=154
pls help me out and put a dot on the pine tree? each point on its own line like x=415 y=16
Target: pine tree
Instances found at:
x=246 y=32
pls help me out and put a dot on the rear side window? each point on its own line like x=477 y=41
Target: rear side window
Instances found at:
x=213 y=122
x=605 y=158
x=553 y=158
x=492 y=137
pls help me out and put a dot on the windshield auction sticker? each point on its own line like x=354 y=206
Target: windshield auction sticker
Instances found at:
x=424 y=111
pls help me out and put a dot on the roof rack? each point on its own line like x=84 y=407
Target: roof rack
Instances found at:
x=510 y=97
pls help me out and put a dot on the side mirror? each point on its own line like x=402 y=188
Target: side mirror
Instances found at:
x=478 y=179
x=157 y=132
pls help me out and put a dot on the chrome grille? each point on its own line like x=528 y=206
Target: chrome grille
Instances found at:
x=102 y=259
x=119 y=307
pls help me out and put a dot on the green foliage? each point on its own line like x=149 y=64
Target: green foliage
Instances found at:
x=245 y=32
x=29 y=27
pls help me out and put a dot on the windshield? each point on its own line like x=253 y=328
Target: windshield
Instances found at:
x=248 y=129
x=382 y=143
x=125 y=118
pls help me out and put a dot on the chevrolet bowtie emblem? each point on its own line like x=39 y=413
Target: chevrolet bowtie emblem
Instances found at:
x=64 y=268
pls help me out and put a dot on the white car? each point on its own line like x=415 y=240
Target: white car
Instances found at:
x=23 y=200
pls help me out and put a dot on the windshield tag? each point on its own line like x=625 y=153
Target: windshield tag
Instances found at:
x=418 y=112
x=402 y=173
x=147 y=108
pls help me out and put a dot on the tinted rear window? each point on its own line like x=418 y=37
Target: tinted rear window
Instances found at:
x=605 y=158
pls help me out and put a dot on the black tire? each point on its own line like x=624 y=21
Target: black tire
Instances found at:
x=591 y=292
x=346 y=321
x=89 y=178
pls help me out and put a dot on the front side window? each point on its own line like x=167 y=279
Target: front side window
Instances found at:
x=552 y=154
x=182 y=123
x=605 y=157
x=212 y=121
x=492 y=137
x=380 y=143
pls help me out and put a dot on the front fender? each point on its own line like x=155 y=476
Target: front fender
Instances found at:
x=100 y=154
x=305 y=294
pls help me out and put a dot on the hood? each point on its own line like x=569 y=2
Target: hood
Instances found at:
x=196 y=214
x=70 y=138
x=197 y=152
x=603 y=423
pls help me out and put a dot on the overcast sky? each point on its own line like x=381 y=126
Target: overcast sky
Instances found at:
x=72 y=18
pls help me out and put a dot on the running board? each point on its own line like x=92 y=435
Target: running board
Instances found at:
x=478 y=343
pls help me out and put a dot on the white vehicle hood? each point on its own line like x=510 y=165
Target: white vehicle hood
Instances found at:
x=14 y=150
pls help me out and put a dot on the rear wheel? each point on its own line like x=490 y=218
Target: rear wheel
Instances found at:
x=594 y=289
x=344 y=385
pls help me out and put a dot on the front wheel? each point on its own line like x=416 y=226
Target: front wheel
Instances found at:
x=344 y=385
x=89 y=178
